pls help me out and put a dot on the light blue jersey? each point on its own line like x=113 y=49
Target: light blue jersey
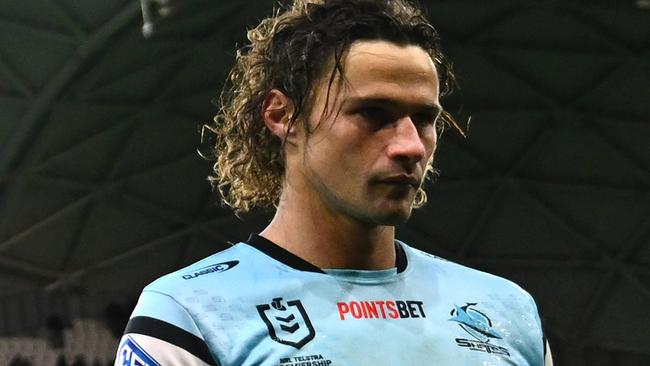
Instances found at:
x=257 y=304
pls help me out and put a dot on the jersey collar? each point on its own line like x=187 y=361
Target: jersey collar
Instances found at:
x=280 y=254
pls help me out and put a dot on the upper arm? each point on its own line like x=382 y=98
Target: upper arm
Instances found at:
x=162 y=332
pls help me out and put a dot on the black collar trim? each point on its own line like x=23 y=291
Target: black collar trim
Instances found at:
x=280 y=254
x=400 y=257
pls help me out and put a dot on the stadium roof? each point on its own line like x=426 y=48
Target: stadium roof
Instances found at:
x=101 y=188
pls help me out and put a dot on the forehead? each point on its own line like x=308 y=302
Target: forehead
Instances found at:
x=383 y=67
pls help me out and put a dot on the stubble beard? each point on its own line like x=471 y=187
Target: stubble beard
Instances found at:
x=355 y=207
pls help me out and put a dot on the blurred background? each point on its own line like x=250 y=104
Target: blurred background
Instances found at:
x=102 y=191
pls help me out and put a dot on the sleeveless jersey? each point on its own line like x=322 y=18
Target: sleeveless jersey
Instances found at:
x=257 y=304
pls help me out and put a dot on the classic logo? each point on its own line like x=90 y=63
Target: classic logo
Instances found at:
x=479 y=326
x=288 y=324
x=131 y=354
x=213 y=268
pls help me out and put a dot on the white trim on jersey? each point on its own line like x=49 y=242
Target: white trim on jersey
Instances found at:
x=548 y=358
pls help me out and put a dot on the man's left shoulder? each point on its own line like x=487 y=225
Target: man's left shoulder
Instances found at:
x=453 y=271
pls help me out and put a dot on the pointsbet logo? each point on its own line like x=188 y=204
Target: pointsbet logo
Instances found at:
x=381 y=309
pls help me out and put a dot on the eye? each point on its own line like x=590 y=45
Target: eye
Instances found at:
x=377 y=115
x=425 y=118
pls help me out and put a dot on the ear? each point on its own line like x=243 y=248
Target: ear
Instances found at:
x=277 y=109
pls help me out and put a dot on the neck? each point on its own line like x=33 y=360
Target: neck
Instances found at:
x=309 y=229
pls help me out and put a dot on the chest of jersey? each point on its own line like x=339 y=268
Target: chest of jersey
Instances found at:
x=321 y=320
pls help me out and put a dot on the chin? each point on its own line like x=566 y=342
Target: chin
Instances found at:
x=378 y=213
x=391 y=217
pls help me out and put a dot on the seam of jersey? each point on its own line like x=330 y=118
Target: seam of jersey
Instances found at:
x=188 y=314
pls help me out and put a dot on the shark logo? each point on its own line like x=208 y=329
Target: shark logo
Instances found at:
x=474 y=322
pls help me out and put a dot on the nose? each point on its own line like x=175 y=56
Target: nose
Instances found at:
x=408 y=142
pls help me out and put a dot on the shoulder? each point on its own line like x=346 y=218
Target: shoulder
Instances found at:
x=220 y=267
x=453 y=272
x=176 y=298
x=164 y=325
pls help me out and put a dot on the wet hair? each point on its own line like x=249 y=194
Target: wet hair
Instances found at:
x=291 y=51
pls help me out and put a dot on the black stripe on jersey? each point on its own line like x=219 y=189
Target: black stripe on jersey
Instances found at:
x=282 y=255
x=172 y=334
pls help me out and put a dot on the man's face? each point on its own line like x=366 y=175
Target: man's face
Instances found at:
x=367 y=152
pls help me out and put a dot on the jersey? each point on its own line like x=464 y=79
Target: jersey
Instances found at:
x=258 y=304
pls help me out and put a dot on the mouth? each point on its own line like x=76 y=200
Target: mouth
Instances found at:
x=402 y=179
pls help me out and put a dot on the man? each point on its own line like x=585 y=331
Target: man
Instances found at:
x=332 y=117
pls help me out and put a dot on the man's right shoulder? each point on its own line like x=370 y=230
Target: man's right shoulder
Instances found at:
x=220 y=267
x=165 y=327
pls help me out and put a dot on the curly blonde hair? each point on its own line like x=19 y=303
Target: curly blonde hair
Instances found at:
x=289 y=52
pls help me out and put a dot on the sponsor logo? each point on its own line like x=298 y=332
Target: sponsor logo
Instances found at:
x=310 y=360
x=381 y=309
x=479 y=326
x=481 y=346
x=213 y=268
x=287 y=324
x=131 y=354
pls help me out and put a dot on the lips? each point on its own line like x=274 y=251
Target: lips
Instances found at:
x=402 y=179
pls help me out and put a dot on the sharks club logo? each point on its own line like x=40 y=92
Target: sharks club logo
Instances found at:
x=479 y=326
x=287 y=322
x=474 y=322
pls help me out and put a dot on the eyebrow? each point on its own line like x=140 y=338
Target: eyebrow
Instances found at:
x=371 y=101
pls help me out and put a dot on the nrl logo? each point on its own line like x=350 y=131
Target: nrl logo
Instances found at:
x=287 y=324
